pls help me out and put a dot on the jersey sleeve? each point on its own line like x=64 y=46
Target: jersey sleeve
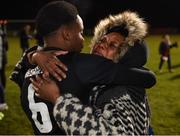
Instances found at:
x=21 y=68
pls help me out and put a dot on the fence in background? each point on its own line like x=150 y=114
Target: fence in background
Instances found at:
x=14 y=26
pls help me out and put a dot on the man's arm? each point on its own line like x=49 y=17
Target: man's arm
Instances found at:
x=95 y=70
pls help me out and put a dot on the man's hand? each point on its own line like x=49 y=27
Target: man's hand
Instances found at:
x=44 y=89
x=49 y=63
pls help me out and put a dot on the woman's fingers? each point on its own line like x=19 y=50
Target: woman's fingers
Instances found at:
x=36 y=85
x=60 y=64
x=53 y=67
x=50 y=64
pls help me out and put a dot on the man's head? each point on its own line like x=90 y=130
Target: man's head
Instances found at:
x=121 y=31
x=59 y=23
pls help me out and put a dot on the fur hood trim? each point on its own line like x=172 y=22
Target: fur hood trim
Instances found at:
x=136 y=26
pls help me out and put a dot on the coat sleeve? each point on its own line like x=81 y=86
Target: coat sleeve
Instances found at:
x=77 y=119
x=118 y=117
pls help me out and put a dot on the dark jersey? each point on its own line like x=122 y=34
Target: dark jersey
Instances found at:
x=39 y=112
x=84 y=72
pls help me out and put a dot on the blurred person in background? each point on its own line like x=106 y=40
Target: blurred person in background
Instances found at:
x=4 y=52
x=164 y=51
x=38 y=38
x=24 y=35
x=3 y=61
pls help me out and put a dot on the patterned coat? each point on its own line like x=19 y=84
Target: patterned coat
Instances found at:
x=111 y=112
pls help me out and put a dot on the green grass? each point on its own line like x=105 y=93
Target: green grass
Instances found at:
x=15 y=121
x=163 y=97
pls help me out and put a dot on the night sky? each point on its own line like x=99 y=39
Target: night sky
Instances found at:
x=158 y=13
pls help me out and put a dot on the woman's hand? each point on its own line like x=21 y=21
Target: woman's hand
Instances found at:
x=44 y=89
x=49 y=63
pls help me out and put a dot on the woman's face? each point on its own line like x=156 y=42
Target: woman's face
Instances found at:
x=109 y=45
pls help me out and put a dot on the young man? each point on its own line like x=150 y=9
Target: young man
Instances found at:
x=113 y=109
x=61 y=27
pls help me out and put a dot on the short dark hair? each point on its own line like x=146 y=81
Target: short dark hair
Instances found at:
x=54 y=15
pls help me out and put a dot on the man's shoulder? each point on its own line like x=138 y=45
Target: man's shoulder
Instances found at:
x=81 y=58
x=89 y=57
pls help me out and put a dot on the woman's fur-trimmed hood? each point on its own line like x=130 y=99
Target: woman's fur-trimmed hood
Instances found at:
x=137 y=28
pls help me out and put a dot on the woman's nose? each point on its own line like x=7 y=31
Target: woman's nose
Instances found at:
x=102 y=45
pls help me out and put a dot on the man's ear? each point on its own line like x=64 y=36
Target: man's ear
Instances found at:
x=66 y=33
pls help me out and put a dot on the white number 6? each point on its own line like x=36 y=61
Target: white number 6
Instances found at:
x=46 y=125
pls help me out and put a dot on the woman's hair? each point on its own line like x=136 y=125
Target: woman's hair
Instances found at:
x=127 y=23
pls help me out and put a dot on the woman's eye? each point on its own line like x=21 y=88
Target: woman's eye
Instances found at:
x=100 y=41
x=115 y=46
